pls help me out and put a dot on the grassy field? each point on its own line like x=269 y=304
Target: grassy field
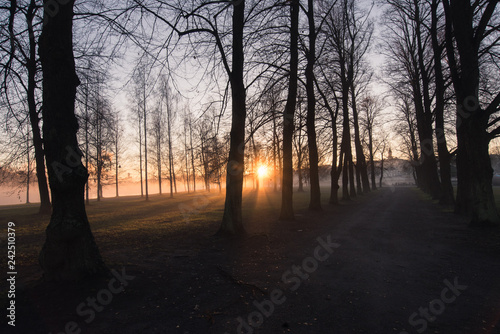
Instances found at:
x=136 y=224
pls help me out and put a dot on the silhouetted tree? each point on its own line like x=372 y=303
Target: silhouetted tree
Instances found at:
x=472 y=34
x=370 y=108
x=288 y=124
x=409 y=55
x=21 y=68
x=315 y=199
x=69 y=251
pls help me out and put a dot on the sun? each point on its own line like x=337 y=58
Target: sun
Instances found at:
x=262 y=171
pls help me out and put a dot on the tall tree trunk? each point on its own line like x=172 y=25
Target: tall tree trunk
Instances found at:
x=361 y=168
x=99 y=150
x=299 y=150
x=299 y=174
x=69 y=251
x=280 y=161
x=346 y=141
x=475 y=193
x=275 y=149
x=431 y=183
x=28 y=171
x=158 y=157
x=145 y=140
x=204 y=162
x=352 y=186
x=345 y=174
x=117 y=166
x=315 y=199
x=335 y=174
x=347 y=170
x=187 y=185
x=359 y=187
x=170 y=176
x=252 y=168
x=87 y=152
x=381 y=168
x=336 y=171
x=140 y=152
x=372 y=162
x=288 y=126
x=173 y=175
x=447 y=196
x=43 y=189
x=232 y=220
x=427 y=167
x=255 y=163
x=192 y=155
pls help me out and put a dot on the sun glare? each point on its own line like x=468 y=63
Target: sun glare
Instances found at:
x=262 y=171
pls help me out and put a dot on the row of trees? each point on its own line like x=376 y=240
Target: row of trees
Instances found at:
x=322 y=67
x=443 y=68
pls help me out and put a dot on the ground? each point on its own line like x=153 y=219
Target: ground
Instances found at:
x=391 y=261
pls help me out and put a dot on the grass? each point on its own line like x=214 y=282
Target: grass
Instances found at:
x=136 y=225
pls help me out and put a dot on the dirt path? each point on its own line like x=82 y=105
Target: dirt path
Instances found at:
x=389 y=262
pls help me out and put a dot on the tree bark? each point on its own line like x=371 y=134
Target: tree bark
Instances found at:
x=232 y=220
x=372 y=162
x=336 y=171
x=43 y=189
x=427 y=168
x=140 y=149
x=145 y=138
x=447 y=196
x=431 y=183
x=288 y=125
x=275 y=148
x=117 y=166
x=475 y=193
x=192 y=154
x=69 y=252
x=345 y=148
x=361 y=168
x=346 y=134
x=381 y=168
x=315 y=199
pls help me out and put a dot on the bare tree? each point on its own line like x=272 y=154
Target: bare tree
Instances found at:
x=333 y=112
x=301 y=148
x=315 y=200
x=117 y=138
x=474 y=29
x=360 y=30
x=288 y=118
x=370 y=107
x=21 y=68
x=69 y=251
x=141 y=94
x=157 y=128
x=168 y=100
x=409 y=55
x=436 y=30
x=199 y=20
x=338 y=41
x=406 y=128
x=382 y=151
x=192 y=152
